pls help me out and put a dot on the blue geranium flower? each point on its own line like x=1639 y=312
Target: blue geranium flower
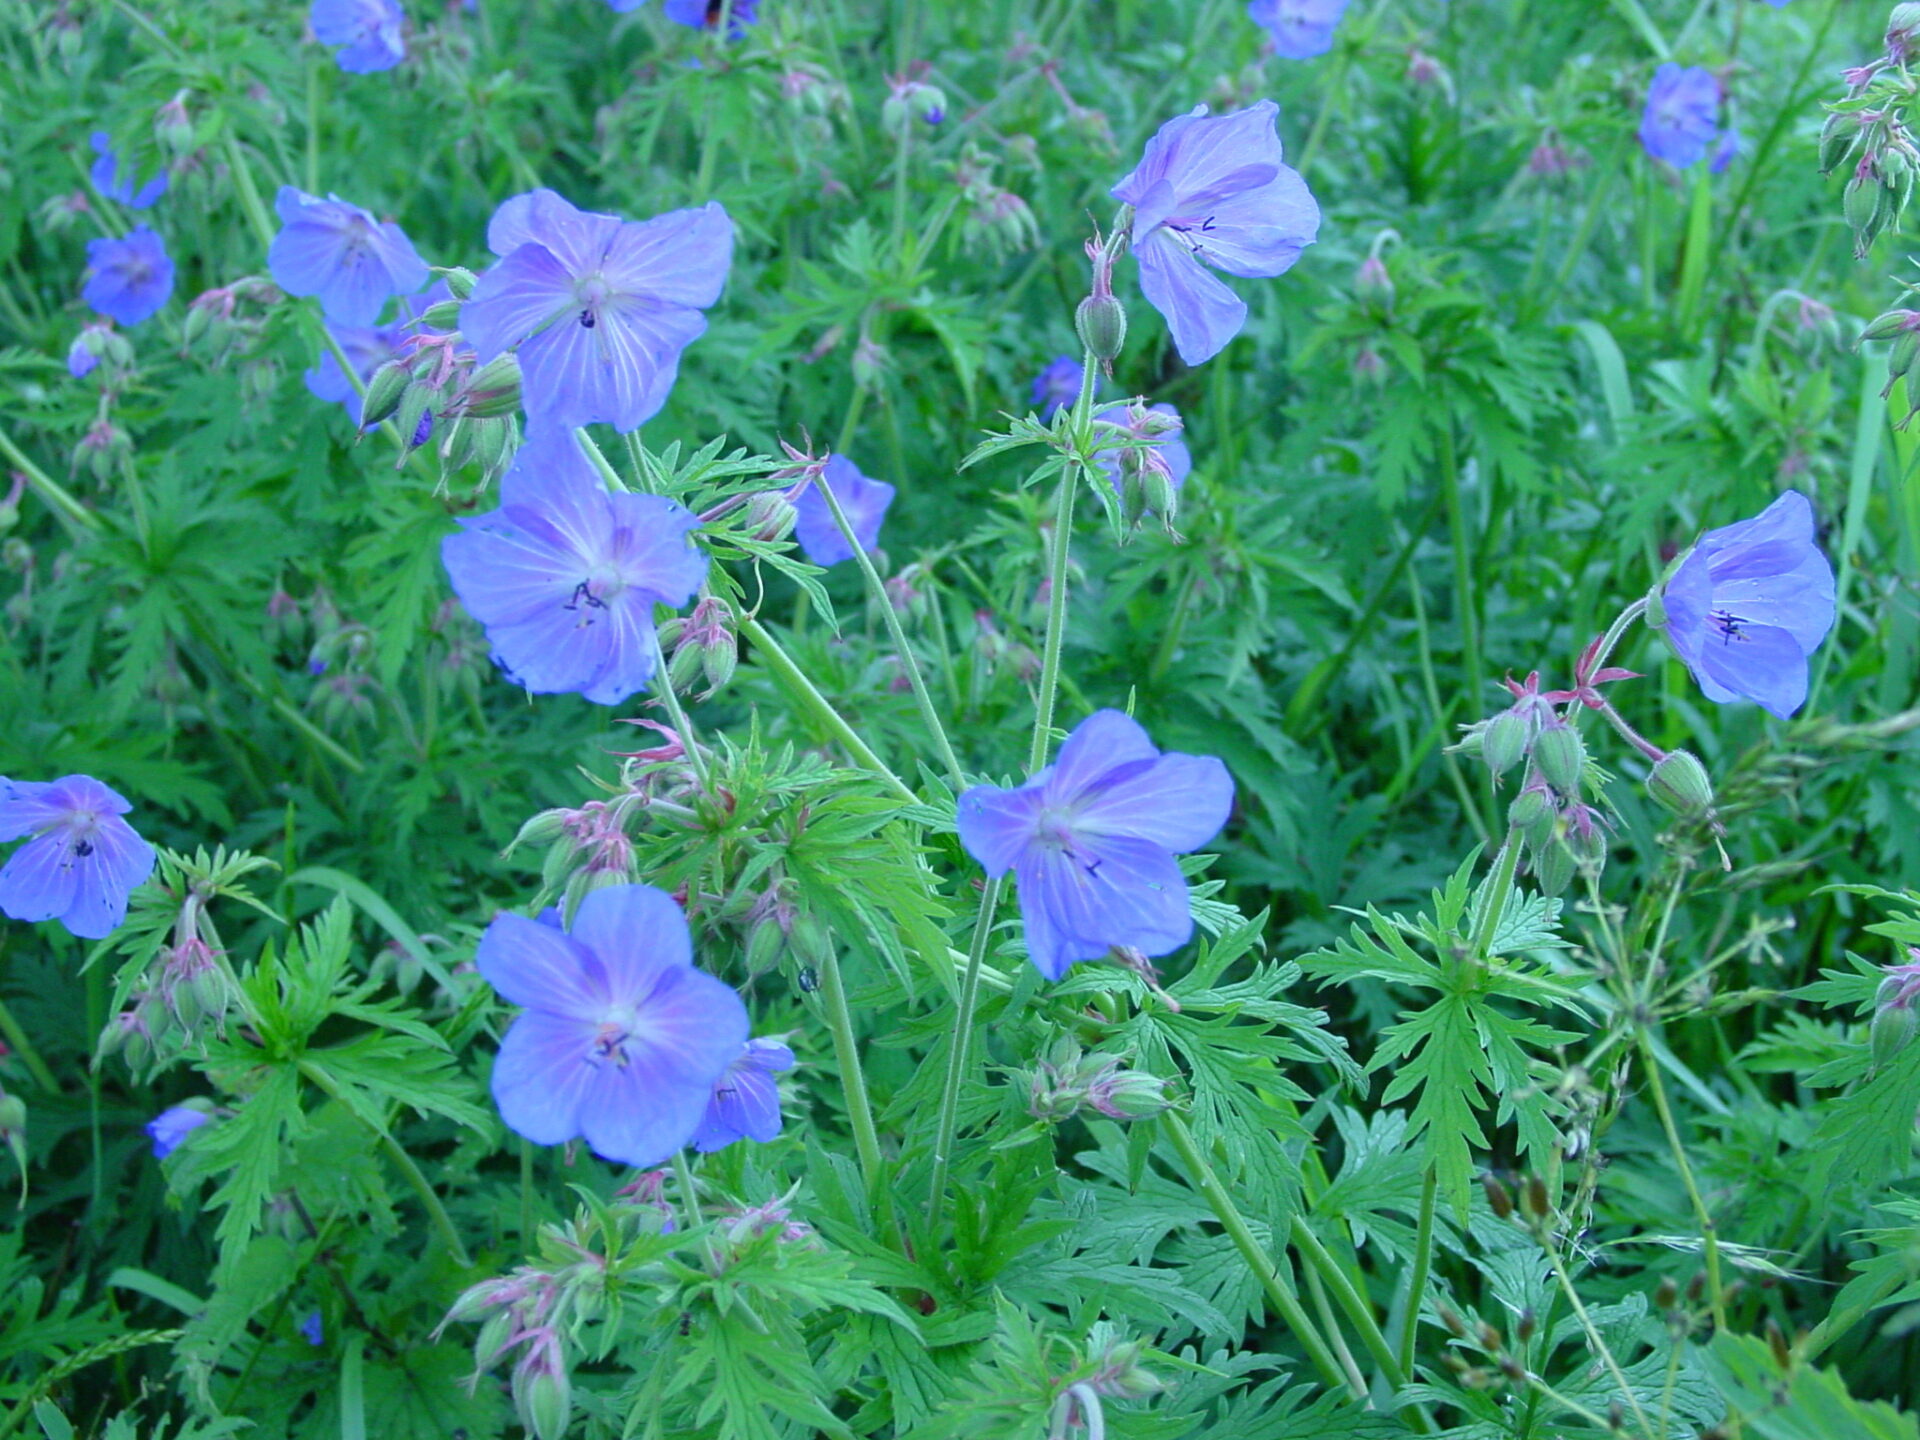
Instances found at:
x=1682 y=117
x=745 y=1104
x=1058 y=385
x=1749 y=604
x=340 y=253
x=599 y=308
x=171 y=1127
x=565 y=575
x=82 y=860
x=1212 y=191
x=1300 y=29
x=372 y=32
x=1091 y=841
x=107 y=179
x=864 y=502
x=128 y=279
x=621 y=1040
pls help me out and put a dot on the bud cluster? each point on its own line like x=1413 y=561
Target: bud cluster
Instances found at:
x=702 y=645
x=530 y=1311
x=1869 y=130
x=997 y=220
x=1894 y=1018
x=437 y=385
x=185 y=987
x=910 y=98
x=1902 y=327
x=1561 y=833
x=1068 y=1081
x=1500 y=1357
x=1147 y=481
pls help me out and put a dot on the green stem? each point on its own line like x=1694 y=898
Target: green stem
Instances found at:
x=689 y=1190
x=1285 y=1305
x=78 y=519
x=676 y=714
x=1342 y=1352
x=1594 y=1338
x=23 y=1047
x=958 y=1048
x=802 y=689
x=866 y=1138
x=902 y=149
x=1422 y=1267
x=929 y=715
x=1359 y=1313
x=1488 y=925
x=1057 y=578
x=526 y=1194
x=1463 y=588
x=250 y=200
x=1716 y=1295
x=436 y=1212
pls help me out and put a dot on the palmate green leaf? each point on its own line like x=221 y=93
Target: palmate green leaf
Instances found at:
x=1867 y=1137
x=249 y=1147
x=1807 y=1403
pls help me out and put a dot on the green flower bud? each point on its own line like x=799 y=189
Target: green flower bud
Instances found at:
x=1553 y=867
x=9 y=517
x=544 y=1398
x=1503 y=744
x=1679 y=782
x=1891 y=324
x=1560 y=757
x=1837 y=139
x=460 y=281
x=493 y=390
x=769 y=515
x=1891 y=1032
x=1102 y=323
x=442 y=315
x=385 y=389
x=1532 y=814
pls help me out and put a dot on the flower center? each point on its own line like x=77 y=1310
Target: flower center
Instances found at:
x=1728 y=624
x=592 y=293
x=1053 y=828
x=592 y=595
x=611 y=1035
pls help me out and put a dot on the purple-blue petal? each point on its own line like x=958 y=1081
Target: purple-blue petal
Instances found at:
x=863 y=501
x=128 y=279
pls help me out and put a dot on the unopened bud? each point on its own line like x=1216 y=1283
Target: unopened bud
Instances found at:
x=1892 y=1032
x=1532 y=814
x=1560 y=756
x=1533 y=1200
x=385 y=389
x=1503 y=744
x=1528 y=1323
x=770 y=515
x=1102 y=323
x=545 y=1400
x=1679 y=781
x=1553 y=867
x=460 y=281
x=442 y=315
x=1499 y=1200
x=1372 y=285
x=1891 y=325
x=493 y=390
x=173 y=127
x=1903 y=25
x=1837 y=139
x=1666 y=1295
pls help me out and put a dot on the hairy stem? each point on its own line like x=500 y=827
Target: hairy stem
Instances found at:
x=1200 y=1172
